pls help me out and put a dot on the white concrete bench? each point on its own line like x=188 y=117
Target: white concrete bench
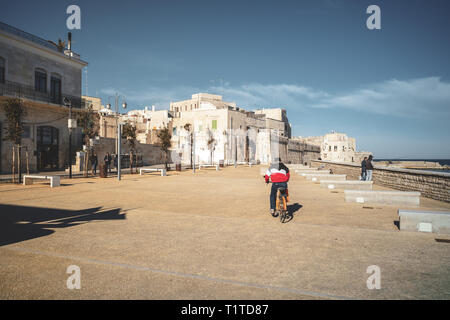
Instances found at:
x=294 y=166
x=316 y=177
x=244 y=163
x=347 y=184
x=55 y=181
x=425 y=221
x=383 y=197
x=312 y=171
x=163 y=171
x=208 y=165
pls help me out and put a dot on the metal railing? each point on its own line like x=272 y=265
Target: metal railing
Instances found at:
x=18 y=90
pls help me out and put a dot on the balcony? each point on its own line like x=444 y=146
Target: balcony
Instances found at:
x=18 y=90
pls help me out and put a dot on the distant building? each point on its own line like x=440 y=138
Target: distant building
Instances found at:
x=336 y=146
x=41 y=73
x=148 y=123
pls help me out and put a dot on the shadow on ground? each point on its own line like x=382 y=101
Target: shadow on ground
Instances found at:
x=20 y=223
x=292 y=209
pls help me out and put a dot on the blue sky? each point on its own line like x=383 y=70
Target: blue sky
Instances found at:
x=388 y=88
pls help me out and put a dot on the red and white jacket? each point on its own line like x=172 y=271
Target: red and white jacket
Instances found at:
x=277 y=172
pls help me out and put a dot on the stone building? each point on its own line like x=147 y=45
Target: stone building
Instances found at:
x=336 y=146
x=222 y=131
x=198 y=99
x=148 y=123
x=41 y=73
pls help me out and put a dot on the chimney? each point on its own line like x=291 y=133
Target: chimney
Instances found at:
x=69 y=41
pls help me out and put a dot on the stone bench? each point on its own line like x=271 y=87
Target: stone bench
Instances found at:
x=208 y=165
x=383 y=197
x=313 y=171
x=163 y=171
x=347 y=184
x=55 y=181
x=244 y=163
x=316 y=177
x=297 y=166
x=425 y=221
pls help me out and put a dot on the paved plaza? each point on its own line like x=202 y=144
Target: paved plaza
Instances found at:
x=209 y=235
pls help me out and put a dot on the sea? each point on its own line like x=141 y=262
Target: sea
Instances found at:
x=442 y=162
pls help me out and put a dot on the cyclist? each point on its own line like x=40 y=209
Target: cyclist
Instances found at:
x=279 y=174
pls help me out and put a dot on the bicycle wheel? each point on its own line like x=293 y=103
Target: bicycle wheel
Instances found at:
x=282 y=204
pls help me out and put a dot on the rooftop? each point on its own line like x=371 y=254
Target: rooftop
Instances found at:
x=37 y=40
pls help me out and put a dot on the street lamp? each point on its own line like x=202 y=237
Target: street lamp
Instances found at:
x=124 y=106
x=71 y=123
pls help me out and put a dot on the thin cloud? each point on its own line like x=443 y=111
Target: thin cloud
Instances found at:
x=411 y=98
x=402 y=98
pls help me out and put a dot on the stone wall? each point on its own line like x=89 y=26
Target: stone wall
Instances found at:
x=151 y=154
x=301 y=152
x=431 y=184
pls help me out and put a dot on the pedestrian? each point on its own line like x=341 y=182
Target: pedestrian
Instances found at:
x=363 y=169
x=94 y=163
x=107 y=160
x=369 y=168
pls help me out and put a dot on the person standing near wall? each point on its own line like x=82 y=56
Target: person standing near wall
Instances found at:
x=363 y=169
x=107 y=160
x=369 y=168
x=94 y=162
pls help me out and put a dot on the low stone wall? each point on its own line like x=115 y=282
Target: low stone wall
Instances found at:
x=431 y=184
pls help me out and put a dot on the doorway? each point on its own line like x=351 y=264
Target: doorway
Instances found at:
x=47 y=148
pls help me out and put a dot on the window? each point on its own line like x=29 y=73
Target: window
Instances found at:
x=2 y=70
x=55 y=89
x=329 y=148
x=40 y=81
x=335 y=148
x=174 y=131
x=26 y=132
x=214 y=125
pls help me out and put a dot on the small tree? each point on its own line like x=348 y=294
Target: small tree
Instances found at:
x=89 y=122
x=211 y=144
x=165 y=142
x=15 y=112
x=187 y=127
x=129 y=133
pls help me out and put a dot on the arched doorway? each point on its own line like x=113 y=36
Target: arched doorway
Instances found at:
x=47 y=148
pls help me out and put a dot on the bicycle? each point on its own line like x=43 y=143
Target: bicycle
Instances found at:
x=281 y=204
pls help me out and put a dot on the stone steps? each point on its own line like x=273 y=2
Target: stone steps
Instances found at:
x=424 y=221
x=383 y=197
x=347 y=185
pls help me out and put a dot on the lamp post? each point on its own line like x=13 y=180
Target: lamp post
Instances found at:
x=71 y=123
x=119 y=139
x=124 y=106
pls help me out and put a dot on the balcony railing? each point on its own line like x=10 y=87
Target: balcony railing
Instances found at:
x=18 y=90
